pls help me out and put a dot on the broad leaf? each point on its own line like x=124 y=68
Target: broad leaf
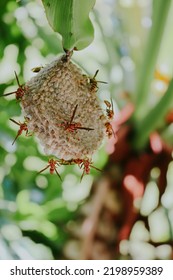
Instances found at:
x=71 y=19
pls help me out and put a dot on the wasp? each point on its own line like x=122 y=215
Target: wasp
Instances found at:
x=109 y=109
x=19 y=92
x=23 y=127
x=36 y=69
x=93 y=83
x=86 y=165
x=109 y=130
x=73 y=126
x=52 y=164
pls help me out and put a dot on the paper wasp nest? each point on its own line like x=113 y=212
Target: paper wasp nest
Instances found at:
x=56 y=94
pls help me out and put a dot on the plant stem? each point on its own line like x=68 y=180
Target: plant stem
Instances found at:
x=154 y=118
x=160 y=11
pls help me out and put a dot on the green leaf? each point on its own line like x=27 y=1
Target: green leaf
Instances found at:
x=160 y=13
x=71 y=19
x=154 y=118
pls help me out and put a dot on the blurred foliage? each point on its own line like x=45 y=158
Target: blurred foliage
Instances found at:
x=42 y=217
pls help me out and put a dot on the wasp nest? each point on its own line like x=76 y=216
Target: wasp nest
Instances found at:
x=64 y=111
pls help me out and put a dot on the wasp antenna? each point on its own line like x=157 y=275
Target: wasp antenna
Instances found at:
x=74 y=112
x=96 y=168
x=6 y=94
x=43 y=169
x=113 y=133
x=85 y=128
x=58 y=174
x=15 y=138
x=96 y=73
x=17 y=78
x=14 y=121
x=102 y=82
x=112 y=103
x=82 y=175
